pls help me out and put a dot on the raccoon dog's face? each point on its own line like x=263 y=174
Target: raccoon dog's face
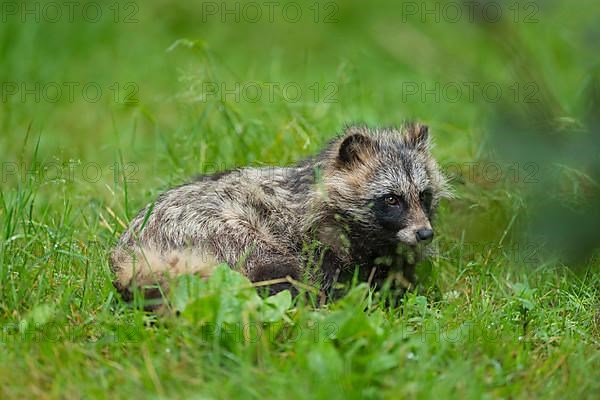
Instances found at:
x=387 y=184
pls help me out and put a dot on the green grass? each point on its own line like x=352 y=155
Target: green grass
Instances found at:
x=492 y=318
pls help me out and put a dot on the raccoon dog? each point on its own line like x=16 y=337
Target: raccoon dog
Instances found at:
x=364 y=205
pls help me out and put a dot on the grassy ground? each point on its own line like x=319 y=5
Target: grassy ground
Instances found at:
x=164 y=90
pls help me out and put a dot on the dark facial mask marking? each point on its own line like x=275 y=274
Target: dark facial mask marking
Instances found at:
x=390 y=217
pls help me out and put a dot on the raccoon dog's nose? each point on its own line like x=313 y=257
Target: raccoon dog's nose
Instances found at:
x=424 y=235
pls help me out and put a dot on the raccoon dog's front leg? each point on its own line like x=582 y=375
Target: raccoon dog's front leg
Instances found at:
x=268 y=264
x=277 y=268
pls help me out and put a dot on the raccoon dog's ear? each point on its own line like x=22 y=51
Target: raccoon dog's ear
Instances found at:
x=417 y=136
x=355 y=147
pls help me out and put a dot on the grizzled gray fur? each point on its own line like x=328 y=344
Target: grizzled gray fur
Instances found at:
x=365 y=203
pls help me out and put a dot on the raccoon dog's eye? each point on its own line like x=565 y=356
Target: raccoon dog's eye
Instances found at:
x=425 y=197
x=392 y=200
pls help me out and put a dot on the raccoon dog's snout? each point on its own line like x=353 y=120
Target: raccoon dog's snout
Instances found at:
x=424 y=235
x=417 y=234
